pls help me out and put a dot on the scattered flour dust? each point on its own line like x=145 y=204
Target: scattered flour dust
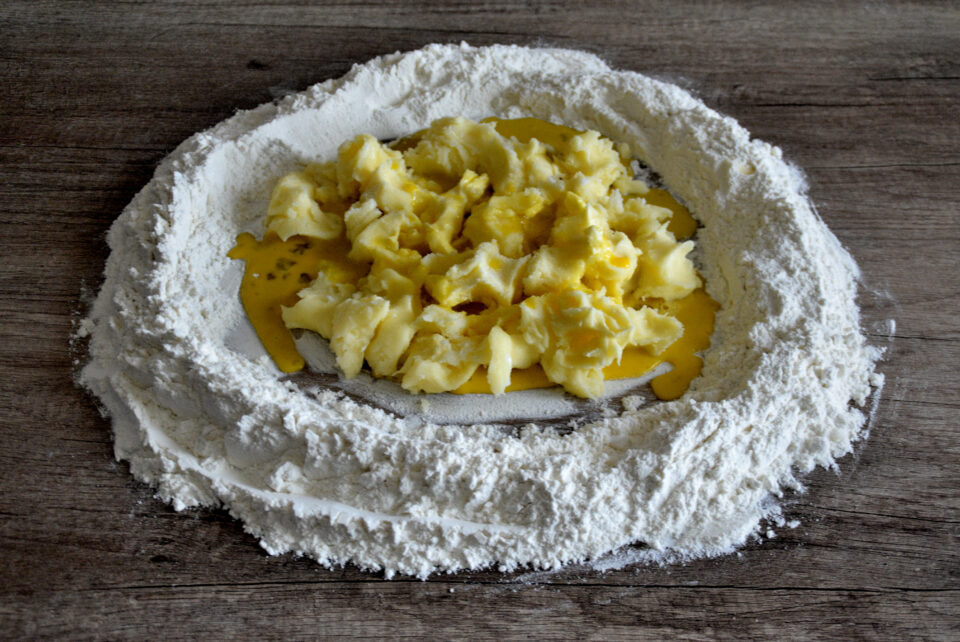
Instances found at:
x=201 y=413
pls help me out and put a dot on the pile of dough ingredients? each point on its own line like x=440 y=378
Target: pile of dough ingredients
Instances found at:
x=551 y=261
x=468 y=223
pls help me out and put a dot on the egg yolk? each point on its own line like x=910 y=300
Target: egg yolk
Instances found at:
x=481 y=257
x=275 y=271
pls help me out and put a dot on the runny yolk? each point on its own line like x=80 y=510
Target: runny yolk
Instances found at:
x=276 y=270
x=525 y=129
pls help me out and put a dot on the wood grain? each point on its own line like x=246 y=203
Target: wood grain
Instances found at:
x=864 y=96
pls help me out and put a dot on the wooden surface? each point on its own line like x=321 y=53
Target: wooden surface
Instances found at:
x=863 y=96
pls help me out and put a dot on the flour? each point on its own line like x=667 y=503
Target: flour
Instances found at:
x=202 y=414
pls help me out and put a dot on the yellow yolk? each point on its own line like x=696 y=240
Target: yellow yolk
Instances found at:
x=682 y=224
x=526 y=129
x=696 y=312
x=523 y=245
x=523 y=129
x=275 y=271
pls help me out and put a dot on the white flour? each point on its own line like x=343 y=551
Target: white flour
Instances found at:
x=200 y=412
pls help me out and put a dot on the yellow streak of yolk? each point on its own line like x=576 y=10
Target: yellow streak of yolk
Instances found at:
x=526 y=129
x=276 y=270
x=696 y=312
x=523 y=129
x=681 y=224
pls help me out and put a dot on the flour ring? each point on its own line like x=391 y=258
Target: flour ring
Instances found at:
x=314 y=473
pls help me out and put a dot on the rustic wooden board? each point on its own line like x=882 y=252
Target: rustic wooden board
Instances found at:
x=865 y=97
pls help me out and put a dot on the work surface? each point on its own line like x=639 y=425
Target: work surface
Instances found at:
x=864 y=98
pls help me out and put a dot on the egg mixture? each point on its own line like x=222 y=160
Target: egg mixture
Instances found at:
x=481 y=257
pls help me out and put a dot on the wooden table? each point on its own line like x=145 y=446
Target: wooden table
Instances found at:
x=863 y=96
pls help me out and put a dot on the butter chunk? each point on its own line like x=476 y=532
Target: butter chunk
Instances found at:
x=437 y=363
x=502 y=353
x=593 y=164
x=359 y=216
x=381 y=237
x=444 y=220
x=611 y=265
x=485 y=276
x=293 y=210
x=358 y=161
x=639 y=219
x=317 y=304
x=652 y=329
x=390 y=187
x=665 y=270
x=326 y=188
x=553 y=268
x=499 y=360
x=452 y=146
x=393 y=336
x=355 y=322
x=502 y=219
x=438 y=319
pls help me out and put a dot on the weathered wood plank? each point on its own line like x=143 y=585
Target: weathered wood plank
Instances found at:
x=411 y=610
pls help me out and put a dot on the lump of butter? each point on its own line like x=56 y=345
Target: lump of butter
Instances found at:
x=294 y=210
x=485 y=251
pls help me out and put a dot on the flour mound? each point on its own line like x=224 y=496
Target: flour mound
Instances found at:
x=203 y=415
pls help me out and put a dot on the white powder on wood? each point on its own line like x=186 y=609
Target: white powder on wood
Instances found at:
x=202 y=413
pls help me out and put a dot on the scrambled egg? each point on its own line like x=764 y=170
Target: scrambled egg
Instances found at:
x=484 y=252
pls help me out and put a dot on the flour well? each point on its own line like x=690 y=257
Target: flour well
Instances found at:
x=203 y=415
